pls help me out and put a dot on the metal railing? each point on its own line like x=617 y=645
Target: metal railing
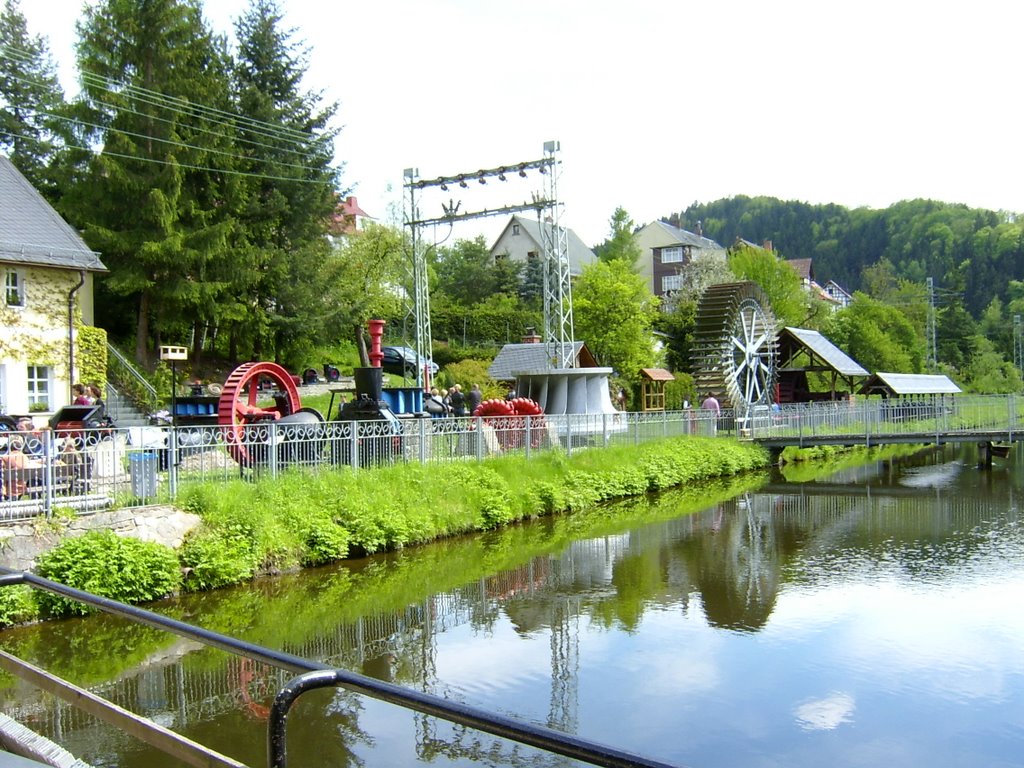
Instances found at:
x=81 y=470
x=131 y=384
x=310 y=676
x=88 y=469
x=867 y=421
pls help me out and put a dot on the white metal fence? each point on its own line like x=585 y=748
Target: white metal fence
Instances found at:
x=85 y=470
x=79 y=470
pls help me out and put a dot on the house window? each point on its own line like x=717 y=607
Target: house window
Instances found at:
x=515 y=229
x=671 y=283
x=38 y=387
x=672 y=255
x=14 y=289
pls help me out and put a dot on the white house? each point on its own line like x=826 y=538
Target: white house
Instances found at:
x=47 y=297
x=665 y=249
x=522 y=241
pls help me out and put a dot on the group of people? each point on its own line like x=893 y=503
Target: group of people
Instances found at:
x=23 y=458
x=453 y=402
x=87 y=394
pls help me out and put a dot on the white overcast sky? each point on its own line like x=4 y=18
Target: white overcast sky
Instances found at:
x=661 y=103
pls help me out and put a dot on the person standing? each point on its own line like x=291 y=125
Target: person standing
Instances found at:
x=78 y=390
x=474 y=398
x=458 y=399
x=714 y=409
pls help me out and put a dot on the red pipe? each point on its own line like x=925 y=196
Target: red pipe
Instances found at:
x=376 y=331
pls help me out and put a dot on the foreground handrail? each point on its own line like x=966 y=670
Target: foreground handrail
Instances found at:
x=314 y=674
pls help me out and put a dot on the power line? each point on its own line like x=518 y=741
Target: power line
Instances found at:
x=108 y=153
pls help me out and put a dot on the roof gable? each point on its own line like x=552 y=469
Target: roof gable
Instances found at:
x=578 y=252
x=521 y=358
x=32 y=232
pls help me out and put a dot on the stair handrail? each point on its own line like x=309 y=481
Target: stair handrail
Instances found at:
x=131 y=383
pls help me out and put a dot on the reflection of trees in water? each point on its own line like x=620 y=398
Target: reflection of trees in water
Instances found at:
x=734 y=556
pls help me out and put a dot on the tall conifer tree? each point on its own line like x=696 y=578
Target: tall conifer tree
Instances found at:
x=288 y=144
x=31 y=99
x=159 y=195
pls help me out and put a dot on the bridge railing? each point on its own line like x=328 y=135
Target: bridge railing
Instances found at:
x=894 y=417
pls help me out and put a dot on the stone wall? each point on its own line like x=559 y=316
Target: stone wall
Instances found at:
x=22 y=543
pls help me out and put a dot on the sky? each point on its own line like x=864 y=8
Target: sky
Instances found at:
x=656 y=104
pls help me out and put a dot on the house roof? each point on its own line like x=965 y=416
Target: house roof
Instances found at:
x=579 y=254
x=683 y=237
x=803 y=267
x=520 y=358
x=910 y=384
x=657 y=374
x=828 y=352
x=32 y=232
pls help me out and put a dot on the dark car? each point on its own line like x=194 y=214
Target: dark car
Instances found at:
x=402 y=361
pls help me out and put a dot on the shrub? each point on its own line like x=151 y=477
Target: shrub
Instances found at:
x=17 y=605
x=215 y=557
x=105 y=564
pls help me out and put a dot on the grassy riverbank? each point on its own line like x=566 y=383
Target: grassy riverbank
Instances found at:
x=306 y=519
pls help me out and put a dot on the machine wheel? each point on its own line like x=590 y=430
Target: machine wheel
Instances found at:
x=237 y=409
x=734 y=345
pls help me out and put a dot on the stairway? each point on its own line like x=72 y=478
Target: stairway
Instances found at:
x=123 y=411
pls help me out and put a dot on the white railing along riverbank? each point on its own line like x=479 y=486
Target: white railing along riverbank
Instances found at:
x=85 y=470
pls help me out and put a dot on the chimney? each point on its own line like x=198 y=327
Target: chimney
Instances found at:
x=531 y=336
x=700 y=229
x=767 y=245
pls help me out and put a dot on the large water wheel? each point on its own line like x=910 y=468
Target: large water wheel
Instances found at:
x=734 y=345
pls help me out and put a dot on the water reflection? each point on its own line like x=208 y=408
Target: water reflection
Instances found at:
x=738 y=632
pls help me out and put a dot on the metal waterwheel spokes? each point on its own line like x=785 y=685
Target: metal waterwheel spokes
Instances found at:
x=238 y=410
x=734 y=345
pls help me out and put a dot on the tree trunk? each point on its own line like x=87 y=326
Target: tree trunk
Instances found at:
x=142 y=331
x=364 y=356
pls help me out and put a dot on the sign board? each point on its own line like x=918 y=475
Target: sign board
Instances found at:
x=174 y=353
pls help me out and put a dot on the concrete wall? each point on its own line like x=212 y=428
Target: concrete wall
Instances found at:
x=22 y=543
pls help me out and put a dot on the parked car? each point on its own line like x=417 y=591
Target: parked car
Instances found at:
x=403 y=361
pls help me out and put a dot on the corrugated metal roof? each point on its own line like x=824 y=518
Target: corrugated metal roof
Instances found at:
x=518 y=358
x=32 y=232
x=913 y=383
x=689 y=238
x=827 y=351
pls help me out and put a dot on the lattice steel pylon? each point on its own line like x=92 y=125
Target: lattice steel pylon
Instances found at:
x=423 y=338
x=558 y=326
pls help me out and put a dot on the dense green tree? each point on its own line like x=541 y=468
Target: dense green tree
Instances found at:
x=466 y=274
x=989 y=371
x=31 y=100
x=361 y=282
x=285 y=137
x=157 y=200
x=920 y=238
x=621 y=242
x=614 y=313
x=790 y=302
x=876 y=335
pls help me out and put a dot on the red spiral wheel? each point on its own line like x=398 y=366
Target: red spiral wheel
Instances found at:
x=507 y=418
x=237 y=408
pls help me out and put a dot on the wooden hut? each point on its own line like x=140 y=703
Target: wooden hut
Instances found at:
x=652 y=388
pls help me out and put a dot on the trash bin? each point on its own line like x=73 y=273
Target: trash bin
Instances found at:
x=142 y=474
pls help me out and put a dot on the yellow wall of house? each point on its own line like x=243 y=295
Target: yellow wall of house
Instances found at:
x=36 y=334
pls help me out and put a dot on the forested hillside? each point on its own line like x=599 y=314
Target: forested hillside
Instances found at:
x=968 y=251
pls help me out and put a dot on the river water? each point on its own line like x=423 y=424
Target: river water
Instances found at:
x=874 y=616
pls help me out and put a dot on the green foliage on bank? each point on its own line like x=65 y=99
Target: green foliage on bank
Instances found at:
x=108 y=565
x=306 y=519
x=303 y=519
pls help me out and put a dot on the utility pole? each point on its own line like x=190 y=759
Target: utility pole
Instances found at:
x=1018 y=347
x=930 y=332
